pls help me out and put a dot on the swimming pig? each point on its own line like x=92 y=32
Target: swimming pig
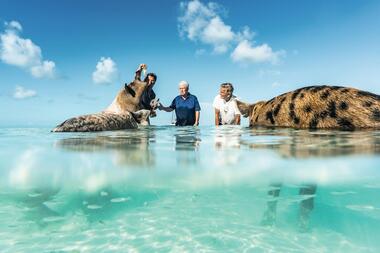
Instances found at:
x=123 y=113
x=317 y=107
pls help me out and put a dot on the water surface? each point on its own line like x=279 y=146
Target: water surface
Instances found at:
x=186 y=189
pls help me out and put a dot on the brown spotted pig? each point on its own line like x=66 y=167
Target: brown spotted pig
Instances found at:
x=317 y=107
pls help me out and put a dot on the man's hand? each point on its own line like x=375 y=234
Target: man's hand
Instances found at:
x=142 y=66
x=196 y=124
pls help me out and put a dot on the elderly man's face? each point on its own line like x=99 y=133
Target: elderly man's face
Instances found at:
x=225 y=93
x=183 y=90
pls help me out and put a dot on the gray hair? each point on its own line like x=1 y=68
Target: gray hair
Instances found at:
x=184 y=83
x=227 y=85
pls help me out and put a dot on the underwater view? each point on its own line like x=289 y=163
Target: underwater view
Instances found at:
x=189 y=189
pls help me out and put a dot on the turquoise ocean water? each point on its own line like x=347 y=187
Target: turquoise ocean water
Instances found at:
x=206 y=189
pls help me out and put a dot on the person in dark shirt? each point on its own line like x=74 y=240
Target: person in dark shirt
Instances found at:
x=148 y=95
x=186 y=106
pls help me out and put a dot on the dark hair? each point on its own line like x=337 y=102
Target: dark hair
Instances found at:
x=227 y=85
x=150 y=74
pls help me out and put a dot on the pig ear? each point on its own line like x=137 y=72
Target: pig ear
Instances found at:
x=244 y=108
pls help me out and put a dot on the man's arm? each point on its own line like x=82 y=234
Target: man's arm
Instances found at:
x=197 y=115
x=217 y=117
x=237 y=119
x=237 y=113
x=197 y=108
x=166 y=109
x=138 y=71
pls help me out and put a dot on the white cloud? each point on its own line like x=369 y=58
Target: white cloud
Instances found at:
x=246 y=52
x=23 y=53
x=217 y=34
x=14 y=25
x=17 y=51
x=22 y=93
x=46 y=69
x=106 y=71
x=245 y=34
x=203 y=23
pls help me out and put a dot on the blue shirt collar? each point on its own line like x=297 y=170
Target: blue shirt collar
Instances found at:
x=188 y=95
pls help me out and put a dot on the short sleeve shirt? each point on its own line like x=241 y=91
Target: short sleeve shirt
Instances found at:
x=228 y=110
x=185 y=109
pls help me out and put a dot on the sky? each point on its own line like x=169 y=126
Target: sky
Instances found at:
x=60 y=59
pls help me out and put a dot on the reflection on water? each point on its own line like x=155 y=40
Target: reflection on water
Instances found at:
x=290 y=143
x=187 y=138
x=229 y=189
x=131 y=149
x=187 y=141
x=324 y=143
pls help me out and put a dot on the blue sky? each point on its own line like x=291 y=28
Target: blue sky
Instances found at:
x=59 y=59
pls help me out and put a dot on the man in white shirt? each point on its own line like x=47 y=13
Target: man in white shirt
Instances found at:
x=226 y=110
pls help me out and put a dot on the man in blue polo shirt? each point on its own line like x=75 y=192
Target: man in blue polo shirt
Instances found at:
x=186 y=107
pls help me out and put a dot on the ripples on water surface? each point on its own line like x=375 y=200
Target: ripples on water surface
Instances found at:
x=160 y=189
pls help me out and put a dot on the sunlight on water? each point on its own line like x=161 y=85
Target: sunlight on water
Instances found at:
x=160 y=189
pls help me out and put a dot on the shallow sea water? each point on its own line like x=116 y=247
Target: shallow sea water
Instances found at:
x=206 y=189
